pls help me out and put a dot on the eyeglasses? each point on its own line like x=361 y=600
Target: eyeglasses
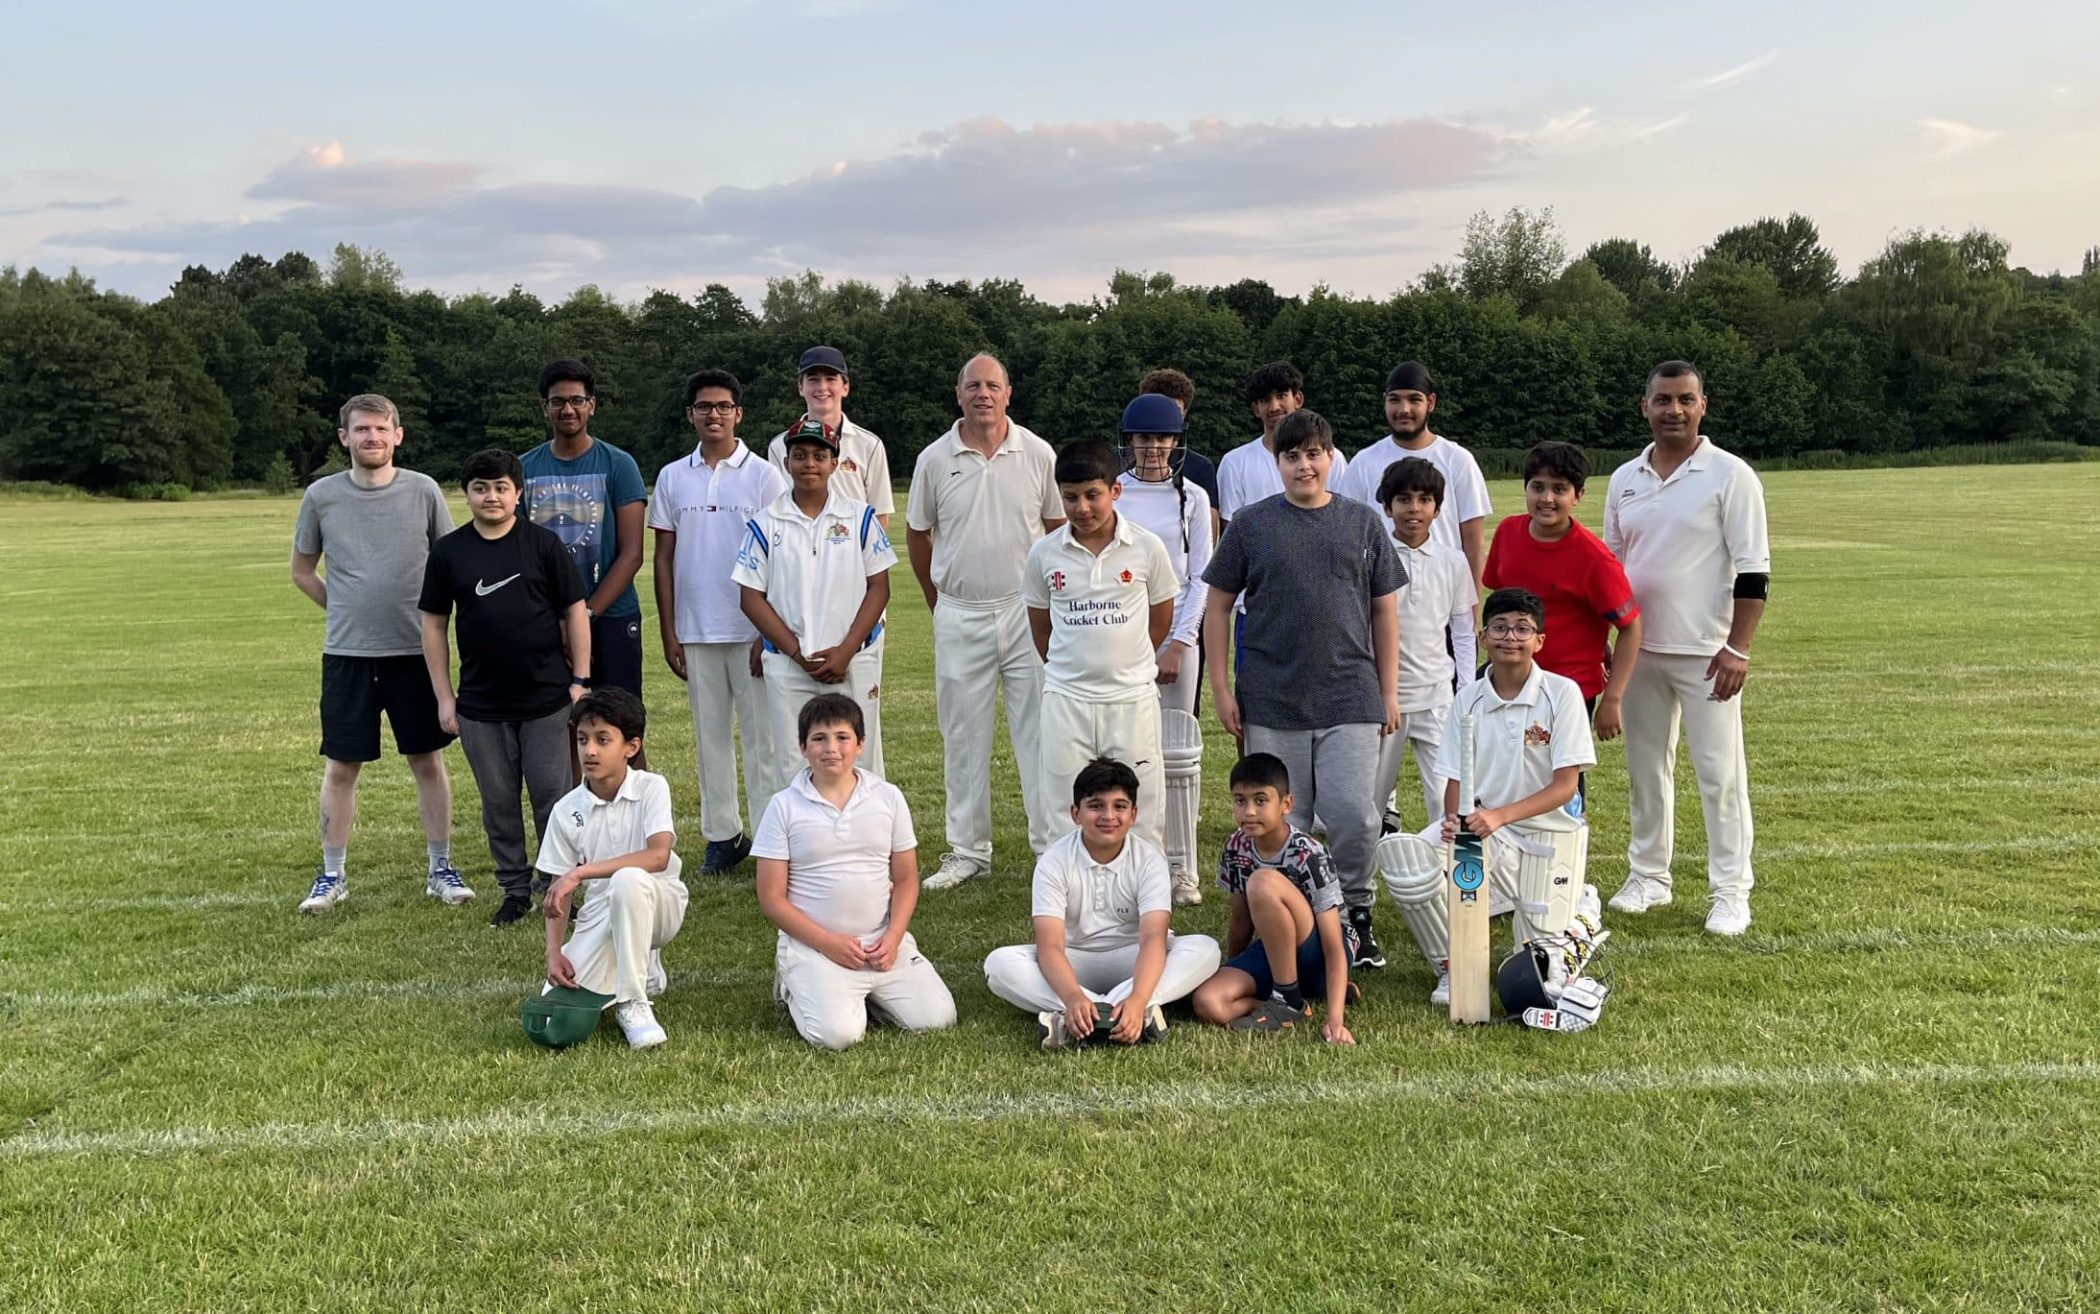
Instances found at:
x=1500 y=631
x=714 y=408
x=553 y=404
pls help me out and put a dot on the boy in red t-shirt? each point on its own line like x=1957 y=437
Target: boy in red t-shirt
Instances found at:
x=1583 y=585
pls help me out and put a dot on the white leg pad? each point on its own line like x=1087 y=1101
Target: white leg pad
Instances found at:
x=1181 y=752
x=1549 y=870
x=1414 y=874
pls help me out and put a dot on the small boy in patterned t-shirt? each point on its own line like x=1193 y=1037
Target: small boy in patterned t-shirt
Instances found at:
x=1287 y=929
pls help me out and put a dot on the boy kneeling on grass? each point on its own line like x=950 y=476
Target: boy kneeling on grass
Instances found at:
x=1287 y=930
x=611 y=837
x=1103 y=960
x=838 y=873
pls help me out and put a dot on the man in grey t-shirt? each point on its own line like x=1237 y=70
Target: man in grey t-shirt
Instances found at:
x=375 y=523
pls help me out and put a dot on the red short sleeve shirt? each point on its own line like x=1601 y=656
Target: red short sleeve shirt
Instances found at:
x=1583 y=586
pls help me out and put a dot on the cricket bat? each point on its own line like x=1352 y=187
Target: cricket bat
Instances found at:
x=1469 y=910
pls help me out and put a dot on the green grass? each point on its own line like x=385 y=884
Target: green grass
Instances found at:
x=1884 y=1098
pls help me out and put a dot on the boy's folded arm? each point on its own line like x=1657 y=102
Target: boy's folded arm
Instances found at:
x=1239 y=926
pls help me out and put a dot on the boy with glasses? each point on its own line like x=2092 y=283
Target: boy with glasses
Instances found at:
x=1530 y=742
x=703 y=503
x=590 y=494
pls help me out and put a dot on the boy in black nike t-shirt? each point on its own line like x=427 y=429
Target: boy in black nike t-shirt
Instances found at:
x=524 y=632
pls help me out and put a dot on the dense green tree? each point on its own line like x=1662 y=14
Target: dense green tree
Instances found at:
x=1791 y=248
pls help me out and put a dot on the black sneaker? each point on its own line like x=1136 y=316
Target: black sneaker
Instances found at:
x=1155 y=1025
x=1365 y=951
x=1268 y=1017
x=724 y=855
x=513 y=909
x=1390 y=824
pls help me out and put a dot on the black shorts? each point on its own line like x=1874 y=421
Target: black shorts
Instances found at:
x=354 y=690
x=616 y=652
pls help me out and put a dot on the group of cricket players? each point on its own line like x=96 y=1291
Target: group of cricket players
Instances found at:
x=1343 y=613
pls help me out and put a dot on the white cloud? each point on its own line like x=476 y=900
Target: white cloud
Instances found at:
x=976 y=195
x=1736 y=74
x=1950 y=137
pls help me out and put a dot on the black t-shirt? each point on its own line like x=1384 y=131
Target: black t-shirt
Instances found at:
x=1201 y=471
x=511 y=593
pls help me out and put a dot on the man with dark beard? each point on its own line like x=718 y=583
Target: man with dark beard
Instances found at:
x=1410 y=399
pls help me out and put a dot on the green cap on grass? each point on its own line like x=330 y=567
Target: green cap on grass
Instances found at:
x=563 y=1016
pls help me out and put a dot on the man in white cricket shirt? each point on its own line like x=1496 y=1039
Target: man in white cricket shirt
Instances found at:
x=1247 y=473
x=1688 y=521
x=981 y=495
x=1410 y=399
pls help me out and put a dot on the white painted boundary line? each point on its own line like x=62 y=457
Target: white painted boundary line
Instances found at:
x=1871 y=939
x=976 y=1107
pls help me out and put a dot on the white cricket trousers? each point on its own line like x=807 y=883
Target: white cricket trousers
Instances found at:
x=620 y=927
x=1075 y=732
x=789 y=687
x=829 y=1003
x=978 y=652
x=719 y=685
x=1015 y=976
x=1424 y=730
x=1180 y=694
x=1668 y=689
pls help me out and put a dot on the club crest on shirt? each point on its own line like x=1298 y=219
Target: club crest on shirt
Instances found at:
x=1057 y=581
x=1537 y=736
x=1125 y=577
x=849 y=464
x=838 y=533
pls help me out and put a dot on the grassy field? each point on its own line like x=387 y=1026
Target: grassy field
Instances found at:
x=1884 y=1098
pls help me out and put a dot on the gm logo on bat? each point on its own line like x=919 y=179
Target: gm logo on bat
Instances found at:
x=1466 y=873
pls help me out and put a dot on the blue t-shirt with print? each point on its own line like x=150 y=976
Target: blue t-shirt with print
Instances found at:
x=576 y=499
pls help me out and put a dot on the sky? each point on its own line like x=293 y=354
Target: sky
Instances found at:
x=637 y=144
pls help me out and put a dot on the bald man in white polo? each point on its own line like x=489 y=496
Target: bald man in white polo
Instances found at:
x=1688 y=521
x=981 y=495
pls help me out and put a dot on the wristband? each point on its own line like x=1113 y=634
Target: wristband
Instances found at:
x=582 y=680
x=1735 y=652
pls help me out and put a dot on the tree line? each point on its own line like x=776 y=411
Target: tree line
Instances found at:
x=233 y=377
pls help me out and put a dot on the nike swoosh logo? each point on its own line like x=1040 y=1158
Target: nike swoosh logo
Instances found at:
x=482 y=590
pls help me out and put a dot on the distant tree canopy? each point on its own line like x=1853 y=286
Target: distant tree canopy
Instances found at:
x=234 y=375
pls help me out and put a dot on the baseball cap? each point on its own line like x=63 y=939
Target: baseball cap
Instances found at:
x=813 y=431
x=821 y=358
x=562 y=1016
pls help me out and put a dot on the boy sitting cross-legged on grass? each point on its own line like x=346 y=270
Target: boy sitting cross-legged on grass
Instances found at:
x=838 y=873
x=1103 y=960
x=611 y=837
x=1531 y=740
x=1287 y=931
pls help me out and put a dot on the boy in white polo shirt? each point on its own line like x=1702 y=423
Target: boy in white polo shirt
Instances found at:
x=1437 y=597
x=1531 y=741
x=838 y=873
x=611 y=836
x=1103 y=960
x=702 y=503
x=1100 y=593
x=863 y=471
x=814 y=573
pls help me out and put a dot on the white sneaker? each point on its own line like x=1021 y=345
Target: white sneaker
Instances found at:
x=1728 y=914
x=1186 y=892
x=1639 y=894
x=330 y=889
x=638 y=1023
x=955 y=869
x=1441 y=996
x=446 y=884
x=1050 y=1031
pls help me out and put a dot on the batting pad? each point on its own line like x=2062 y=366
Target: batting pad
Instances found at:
x=1550 y=866
x=1181 y=754
x=1414 y=873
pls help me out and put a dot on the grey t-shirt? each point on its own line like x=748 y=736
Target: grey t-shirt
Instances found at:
x=374 y=542
x=1309 y=575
